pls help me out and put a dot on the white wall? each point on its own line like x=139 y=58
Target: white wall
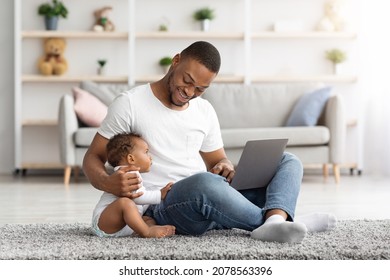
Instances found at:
x=6 y=87
x=276 y=55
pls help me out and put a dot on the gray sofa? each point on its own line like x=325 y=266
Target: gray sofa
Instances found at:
x=245 y=112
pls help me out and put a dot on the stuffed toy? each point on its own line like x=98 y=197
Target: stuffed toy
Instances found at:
x=53 y=61
x=332 y=19
x=102 y=22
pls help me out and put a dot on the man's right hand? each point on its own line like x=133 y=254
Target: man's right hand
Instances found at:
x=123 y=183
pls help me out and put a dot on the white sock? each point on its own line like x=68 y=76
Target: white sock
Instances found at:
x=317 y=222
x=277 y=229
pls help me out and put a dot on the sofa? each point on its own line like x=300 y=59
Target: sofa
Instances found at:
x=308 y=114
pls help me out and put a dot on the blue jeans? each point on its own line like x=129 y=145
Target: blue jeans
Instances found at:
x=206 y=201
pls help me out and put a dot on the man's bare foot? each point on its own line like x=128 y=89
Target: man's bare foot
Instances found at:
x=160 y=231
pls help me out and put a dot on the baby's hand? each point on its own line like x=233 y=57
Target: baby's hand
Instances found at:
x=165 y=190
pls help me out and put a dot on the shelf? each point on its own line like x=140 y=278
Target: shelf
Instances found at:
x=40 y=123
x=218 y=79
x=245 y=40
x=125 y=35
x=75 y=34
x=189 y=35
x=292 y=79
x=77 y=79
x=43 y=165
x=303 y=35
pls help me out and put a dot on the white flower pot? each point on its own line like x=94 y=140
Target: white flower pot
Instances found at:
x=205 y=24
x=337 y=68
x=165 y=68
x=101 y=71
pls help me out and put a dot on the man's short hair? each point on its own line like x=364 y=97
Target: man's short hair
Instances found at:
x=205 y=53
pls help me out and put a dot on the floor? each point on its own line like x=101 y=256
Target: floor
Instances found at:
x=44 y=199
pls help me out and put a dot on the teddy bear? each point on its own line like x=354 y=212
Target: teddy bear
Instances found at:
x=53 y=61
x=332 y=19
x=102 y=22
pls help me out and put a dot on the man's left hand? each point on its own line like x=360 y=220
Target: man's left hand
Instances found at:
x=224 y=168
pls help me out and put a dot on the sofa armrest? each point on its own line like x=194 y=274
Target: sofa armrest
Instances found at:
x=68 y=125
x=334 y=119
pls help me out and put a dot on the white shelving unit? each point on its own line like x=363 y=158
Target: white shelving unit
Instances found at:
x=23 y=80
x=132 y=36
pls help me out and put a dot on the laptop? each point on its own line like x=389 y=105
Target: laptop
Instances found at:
x=258 y=163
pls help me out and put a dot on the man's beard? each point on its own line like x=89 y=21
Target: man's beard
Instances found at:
x=171 y=92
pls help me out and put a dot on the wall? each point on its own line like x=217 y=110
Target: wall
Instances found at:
x=6 y=87
x=268 y=61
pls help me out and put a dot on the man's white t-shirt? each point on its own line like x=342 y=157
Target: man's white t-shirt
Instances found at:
x=174 y=137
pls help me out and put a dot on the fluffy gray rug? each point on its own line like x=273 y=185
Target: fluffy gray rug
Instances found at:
x=358 y=239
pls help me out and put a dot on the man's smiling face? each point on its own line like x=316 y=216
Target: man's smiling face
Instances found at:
x=187 y=80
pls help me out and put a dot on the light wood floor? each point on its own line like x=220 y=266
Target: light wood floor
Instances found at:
x=44 y=199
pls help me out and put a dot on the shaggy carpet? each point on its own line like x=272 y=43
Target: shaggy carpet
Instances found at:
x=352 y=239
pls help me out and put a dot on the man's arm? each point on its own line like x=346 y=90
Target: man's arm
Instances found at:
x=120 y=183
x=218 y=163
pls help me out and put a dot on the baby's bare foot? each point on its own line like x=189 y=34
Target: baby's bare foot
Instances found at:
x=160 y=231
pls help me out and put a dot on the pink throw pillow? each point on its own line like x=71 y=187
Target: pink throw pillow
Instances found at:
x=88 y=108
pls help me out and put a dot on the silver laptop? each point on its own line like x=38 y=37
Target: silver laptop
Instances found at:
x=258 y=163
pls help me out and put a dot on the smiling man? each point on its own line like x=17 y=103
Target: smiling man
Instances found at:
x=185 y=142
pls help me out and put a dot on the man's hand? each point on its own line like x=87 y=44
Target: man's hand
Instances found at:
x=224 y=168
x=123 y=184
x=165 y=190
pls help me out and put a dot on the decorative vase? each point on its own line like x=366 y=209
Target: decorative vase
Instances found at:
x=205 y=24
x=101 y=71
x=336 y=68
x=51 y=23
x=165 y=68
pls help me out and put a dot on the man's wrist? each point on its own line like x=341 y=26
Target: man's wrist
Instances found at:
x=103 y=182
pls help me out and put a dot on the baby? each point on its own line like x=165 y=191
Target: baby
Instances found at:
x=121 y=216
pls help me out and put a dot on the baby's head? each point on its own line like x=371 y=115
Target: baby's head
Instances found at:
x=129 y=149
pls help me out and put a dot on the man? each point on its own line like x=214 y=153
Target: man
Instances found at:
x=182 y=130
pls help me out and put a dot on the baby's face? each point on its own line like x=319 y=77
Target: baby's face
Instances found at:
x=141 y=154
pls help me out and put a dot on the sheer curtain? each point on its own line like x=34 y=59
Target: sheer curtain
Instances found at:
x=375 y=85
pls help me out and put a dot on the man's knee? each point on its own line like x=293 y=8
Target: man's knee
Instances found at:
x=292 y=161
x=202 y=183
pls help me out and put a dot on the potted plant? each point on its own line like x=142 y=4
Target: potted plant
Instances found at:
x=101 y=70
x=164 y=26
x=336 y=56
x=165 y=63
x=52 y=12
x=204 y=15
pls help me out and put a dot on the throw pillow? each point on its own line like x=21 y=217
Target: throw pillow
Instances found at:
x=100 y=92
x=307 y=110
x=90 y=110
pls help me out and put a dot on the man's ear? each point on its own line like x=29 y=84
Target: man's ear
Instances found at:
x=130 y=159
x=176 y=59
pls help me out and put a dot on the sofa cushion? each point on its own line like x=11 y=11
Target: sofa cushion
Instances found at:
x=90 y=110
x=83 y=136
x=257 y=105
x=105 y=92
x=98 y=91
x=309 y=107
x=298 y=136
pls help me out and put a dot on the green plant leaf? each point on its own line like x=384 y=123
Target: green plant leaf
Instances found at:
x=165 y=61
x=56 y=9
x=204 y=13
x=336 y=55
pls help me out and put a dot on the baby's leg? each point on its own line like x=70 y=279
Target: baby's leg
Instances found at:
x=122 y=212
